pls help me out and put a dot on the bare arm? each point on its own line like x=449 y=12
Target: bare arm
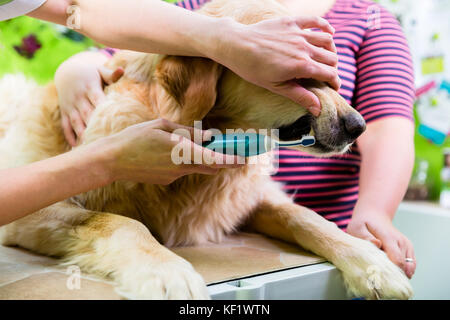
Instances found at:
x=141 y=25
x=287 y=51
x=29 y=188
x=141 y=153
x=387 y=149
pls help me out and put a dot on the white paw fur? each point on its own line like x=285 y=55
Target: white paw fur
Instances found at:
x=368 y=272
x=173 y=280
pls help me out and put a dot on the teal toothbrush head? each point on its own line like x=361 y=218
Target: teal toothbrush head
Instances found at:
x=251 y=144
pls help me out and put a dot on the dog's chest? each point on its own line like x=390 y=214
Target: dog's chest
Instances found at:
x=193 y=210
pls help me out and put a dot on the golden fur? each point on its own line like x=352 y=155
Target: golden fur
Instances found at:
x=120 y=231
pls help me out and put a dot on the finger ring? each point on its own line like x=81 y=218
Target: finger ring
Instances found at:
x=409 y=259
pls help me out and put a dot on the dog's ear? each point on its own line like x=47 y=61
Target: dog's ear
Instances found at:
x=187 y=88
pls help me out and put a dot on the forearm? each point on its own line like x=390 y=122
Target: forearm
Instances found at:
x=29 y=188
x=142 y=25
x=387 y=150
x=159 y=27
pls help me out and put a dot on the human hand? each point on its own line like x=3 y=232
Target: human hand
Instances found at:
x=79 y=82
x=379 y=230
x=144 y=153
x=275 y=53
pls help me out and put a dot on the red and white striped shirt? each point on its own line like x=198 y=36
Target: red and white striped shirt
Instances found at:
x=377 y=79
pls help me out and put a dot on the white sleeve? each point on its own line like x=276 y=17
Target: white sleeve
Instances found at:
x=14 y=8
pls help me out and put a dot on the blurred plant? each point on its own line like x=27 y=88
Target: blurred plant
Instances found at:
x=29 y=46
x=37 y=48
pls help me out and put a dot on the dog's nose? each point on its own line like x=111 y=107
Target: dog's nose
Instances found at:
x=354 y=124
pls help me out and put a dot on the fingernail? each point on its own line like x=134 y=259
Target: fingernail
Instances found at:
x=314 y=110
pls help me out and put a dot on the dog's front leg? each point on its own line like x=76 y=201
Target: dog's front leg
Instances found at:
x=366 y=270
x=108 y=245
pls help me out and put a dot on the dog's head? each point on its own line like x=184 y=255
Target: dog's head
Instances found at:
x=186 y=89
x=250 y=106
x=226 y=101
x=192 y=89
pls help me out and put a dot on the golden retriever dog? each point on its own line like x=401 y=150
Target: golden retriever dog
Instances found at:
x=124 y=231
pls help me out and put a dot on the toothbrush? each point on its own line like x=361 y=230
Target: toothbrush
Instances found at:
x=251 y=144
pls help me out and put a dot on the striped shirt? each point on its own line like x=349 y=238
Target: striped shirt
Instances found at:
x=377 y=79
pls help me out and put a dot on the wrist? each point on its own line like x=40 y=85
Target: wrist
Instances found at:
x=221 y=35
x=367 y=213
x=99 y=161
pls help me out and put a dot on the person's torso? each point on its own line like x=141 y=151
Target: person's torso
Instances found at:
x=330 y=186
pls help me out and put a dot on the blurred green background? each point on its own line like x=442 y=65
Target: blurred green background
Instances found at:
x=58 y=43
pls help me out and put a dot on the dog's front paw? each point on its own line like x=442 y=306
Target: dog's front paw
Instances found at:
x=369 y=273
x=174 y=280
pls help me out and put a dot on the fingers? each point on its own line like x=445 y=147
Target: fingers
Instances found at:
x=320 y=39
x=95 y=96
x=397 y=248
x=363 y=233
x=323 y=56
x=366 y=235
x=203 y=160
x=376 y=242
x=300 y=95
x=322 y=50
x=212 y=159
x=110 y=76
x=68 y=131
x=314 y=22
x=395 y=254
x=321 y=72
x=85 y=109
x=410 y=266
x=77 y=123
x=117 y=74
x=190 y=133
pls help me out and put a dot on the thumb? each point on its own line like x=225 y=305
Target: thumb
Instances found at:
x=205 y=158
x=188 y=137
x=300 y=95
x=194 y=134
x=366 y=235
x=376 y=242
x=110 y=76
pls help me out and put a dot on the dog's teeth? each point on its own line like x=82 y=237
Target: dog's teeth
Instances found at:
x=310 y=134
